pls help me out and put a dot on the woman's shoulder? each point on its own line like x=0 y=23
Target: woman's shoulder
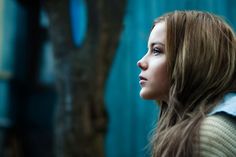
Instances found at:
x=218 y=136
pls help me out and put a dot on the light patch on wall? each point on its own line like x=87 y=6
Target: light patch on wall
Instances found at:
x=46 y=73
x=1 y=29
x=78 y=13
x=12 y=13
x=47 y=64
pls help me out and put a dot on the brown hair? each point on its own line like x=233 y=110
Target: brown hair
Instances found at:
x=201 y=63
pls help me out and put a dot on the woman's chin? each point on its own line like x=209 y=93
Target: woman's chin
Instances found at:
x=151 y=95
x=145 y=95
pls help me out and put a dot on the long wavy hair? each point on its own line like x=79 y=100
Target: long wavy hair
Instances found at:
x=201 y=63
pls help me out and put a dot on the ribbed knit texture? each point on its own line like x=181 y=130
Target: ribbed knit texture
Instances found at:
x=218 y=136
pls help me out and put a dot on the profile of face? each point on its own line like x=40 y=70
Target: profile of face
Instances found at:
x=153 y=77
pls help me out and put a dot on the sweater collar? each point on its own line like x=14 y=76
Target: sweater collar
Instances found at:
x=227 y=105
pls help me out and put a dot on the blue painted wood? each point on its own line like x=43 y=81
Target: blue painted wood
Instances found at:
x=10 y=12
x=9 y=16
x=4 y=101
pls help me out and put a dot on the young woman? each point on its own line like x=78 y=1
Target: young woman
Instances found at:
x=190 y=69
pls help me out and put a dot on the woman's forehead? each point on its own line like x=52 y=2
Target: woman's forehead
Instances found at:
x=158 y=34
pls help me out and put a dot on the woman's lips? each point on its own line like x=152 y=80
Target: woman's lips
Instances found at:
x=142 y=80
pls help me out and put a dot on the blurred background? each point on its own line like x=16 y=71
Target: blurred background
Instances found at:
x=68 y=75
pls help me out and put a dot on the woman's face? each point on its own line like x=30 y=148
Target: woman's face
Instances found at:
x=153 y=77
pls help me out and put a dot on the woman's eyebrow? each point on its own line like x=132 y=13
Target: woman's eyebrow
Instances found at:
x=156 y=43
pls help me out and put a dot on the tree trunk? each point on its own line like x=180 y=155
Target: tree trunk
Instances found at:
x=81 y=73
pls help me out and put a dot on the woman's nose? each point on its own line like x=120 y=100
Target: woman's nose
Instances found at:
x=141 y=64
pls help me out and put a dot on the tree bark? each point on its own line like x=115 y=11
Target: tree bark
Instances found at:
x=81 y=118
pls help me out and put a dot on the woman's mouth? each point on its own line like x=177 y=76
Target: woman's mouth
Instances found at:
x=142 y=80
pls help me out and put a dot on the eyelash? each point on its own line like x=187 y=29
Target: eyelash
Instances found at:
x=156 y=51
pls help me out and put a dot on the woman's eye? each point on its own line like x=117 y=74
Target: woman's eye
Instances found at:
x=156 y=51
